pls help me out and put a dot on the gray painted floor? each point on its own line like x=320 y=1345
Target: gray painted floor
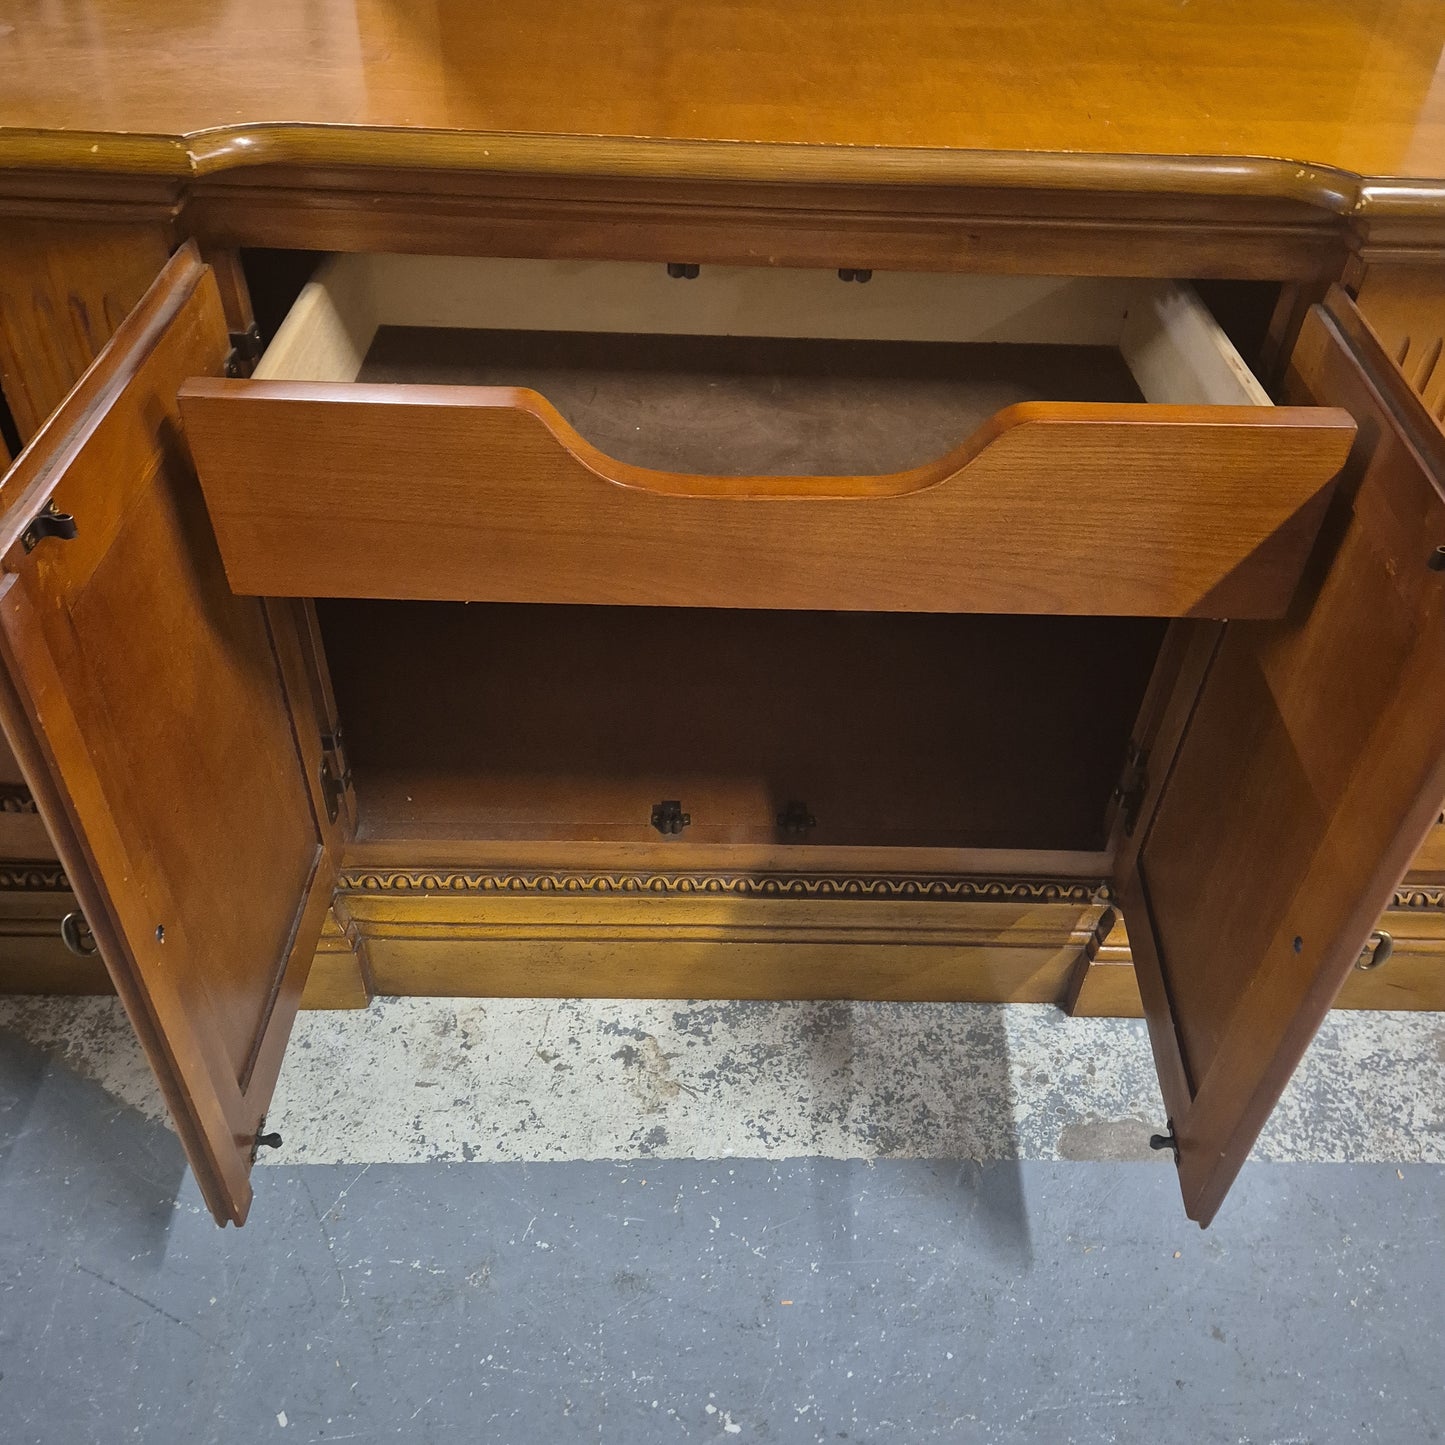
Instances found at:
x=890 y=1297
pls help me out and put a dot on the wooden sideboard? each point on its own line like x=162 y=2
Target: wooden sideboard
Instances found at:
x=786 y=505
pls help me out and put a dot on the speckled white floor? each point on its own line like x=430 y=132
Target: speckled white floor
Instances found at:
x=516 y=1080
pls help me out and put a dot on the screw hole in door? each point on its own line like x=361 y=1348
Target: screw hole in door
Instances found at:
x=160 y=933
x=1299 y=944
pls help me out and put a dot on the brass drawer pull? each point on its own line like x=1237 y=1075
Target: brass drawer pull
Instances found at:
x=1376 y=953
x=75 y=934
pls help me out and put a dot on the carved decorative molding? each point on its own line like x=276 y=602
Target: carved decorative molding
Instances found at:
x=50 y=878
x=1419 y=898
x=930 y=887
x=15 y=798
x=33 y=877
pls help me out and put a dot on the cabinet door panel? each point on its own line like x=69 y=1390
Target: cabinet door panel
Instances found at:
x=166 y=732
x=1310 y=770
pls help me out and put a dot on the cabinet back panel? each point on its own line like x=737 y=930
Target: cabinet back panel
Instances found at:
x=516 y=721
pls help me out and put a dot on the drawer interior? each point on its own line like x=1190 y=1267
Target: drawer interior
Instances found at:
x=742 y=371
x=568 y=724
x=756 y=405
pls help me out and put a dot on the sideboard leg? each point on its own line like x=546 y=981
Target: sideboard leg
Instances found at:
x=340 y=974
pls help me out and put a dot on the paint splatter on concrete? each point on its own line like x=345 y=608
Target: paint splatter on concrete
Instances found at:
x=517 y=1080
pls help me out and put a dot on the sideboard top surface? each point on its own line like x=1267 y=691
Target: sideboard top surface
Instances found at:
x=1119 y=95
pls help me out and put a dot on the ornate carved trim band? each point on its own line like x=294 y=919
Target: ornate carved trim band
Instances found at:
x=15 y=798
x=33 y=877
x=1419 y=898
x=939 y=887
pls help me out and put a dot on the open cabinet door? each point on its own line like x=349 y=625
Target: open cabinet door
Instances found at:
x=167 y=730
x=1309 y=770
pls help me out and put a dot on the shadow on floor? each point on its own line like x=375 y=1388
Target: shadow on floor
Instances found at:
x=118 y=1169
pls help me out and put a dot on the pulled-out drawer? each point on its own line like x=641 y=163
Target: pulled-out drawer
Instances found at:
x=534 y=431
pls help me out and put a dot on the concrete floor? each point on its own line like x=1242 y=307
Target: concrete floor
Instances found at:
x=541 y=1221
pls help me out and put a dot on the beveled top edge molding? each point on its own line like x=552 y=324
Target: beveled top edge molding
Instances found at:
x=227 y=148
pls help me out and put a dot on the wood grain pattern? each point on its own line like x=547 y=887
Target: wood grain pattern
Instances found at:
x=1311 y=770
x=319 y=490
x=1353 y=85
x=63 y=291
x=157 y=719
x=1282 y=137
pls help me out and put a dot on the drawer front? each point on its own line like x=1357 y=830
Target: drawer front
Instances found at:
x=1198 y=502
x=619 y=933
x=45 y=946
x=1402 y=967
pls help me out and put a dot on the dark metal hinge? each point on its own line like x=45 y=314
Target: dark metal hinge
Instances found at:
x=50 y=521
x=1133 y=786
x=796 y=819
x=668 y=817
x=246 y=349
x=335 y=773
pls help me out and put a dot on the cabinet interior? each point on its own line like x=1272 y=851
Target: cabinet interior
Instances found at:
x=468 y=724
x=476 y=722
